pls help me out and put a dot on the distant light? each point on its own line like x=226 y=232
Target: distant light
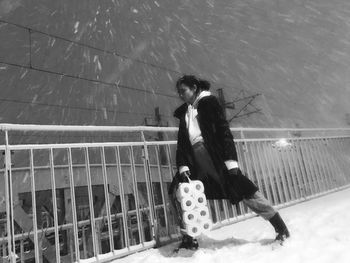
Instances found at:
x=282 y=143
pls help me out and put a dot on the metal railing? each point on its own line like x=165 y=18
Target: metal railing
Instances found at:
x=96 y=201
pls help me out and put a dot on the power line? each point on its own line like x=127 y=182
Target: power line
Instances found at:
x=247 y=97
x=115 y=85
x=245 y=114
x=77 y=107
x=31 y=67
x=115 y=53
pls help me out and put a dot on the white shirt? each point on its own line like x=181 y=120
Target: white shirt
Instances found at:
x=194 y=132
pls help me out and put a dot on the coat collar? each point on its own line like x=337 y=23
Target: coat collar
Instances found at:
x=181 y=111
x=202 y=95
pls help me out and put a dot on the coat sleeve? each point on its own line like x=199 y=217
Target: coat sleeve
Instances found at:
x=181 y=153
x=223 y=132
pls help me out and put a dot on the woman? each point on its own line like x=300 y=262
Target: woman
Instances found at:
x=206 y=152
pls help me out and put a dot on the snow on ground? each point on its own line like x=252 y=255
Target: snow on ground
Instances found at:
x=320 y=233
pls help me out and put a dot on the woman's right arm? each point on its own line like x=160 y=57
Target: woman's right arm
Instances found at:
x=181 y=162
x=181 y=152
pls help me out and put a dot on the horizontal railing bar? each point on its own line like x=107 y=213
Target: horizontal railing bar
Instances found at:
x=83 y=145
x=73 y=145
x=291 y=138
x=90 y=128
x=289 y=129
x=86 y=128
x=132 y=212
x=152 y=143
x=125 y=144
x=47 y=167
x=80 y=223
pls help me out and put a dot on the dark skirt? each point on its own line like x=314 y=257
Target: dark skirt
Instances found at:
x=220 y=184
x=207 y=173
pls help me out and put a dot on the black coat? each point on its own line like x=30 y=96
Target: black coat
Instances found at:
x=220 y=145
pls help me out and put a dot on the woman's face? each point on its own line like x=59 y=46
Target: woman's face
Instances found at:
x=187 y=94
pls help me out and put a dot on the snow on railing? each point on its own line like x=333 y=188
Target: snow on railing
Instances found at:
x=101 y=200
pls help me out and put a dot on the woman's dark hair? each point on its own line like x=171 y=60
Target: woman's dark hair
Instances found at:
x=191 y=81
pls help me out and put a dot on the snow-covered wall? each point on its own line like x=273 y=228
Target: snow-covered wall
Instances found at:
x=112 y=62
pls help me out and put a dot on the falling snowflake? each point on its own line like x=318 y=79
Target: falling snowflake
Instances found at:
x=76 y=27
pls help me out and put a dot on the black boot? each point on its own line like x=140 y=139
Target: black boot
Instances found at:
x=188 y=242
x=280 y=227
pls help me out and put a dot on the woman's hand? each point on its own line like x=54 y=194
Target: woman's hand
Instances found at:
x=235 y=172
x=179 y=178
x=184 y=176
x=235 y=175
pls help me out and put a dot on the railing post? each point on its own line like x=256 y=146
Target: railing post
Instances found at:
x=164 y=196
x=137 y=199
x=91 y=204
x=122 y=197
x=248 y=163
x=107 y=201
x=9 y=202
x=74 y=207
x=150 y=191
x=34 y=208
x=242 y=135
x=54 y=203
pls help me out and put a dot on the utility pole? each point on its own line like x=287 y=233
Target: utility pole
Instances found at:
x=223 y=103
x=231 y=105
x=158 y=122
